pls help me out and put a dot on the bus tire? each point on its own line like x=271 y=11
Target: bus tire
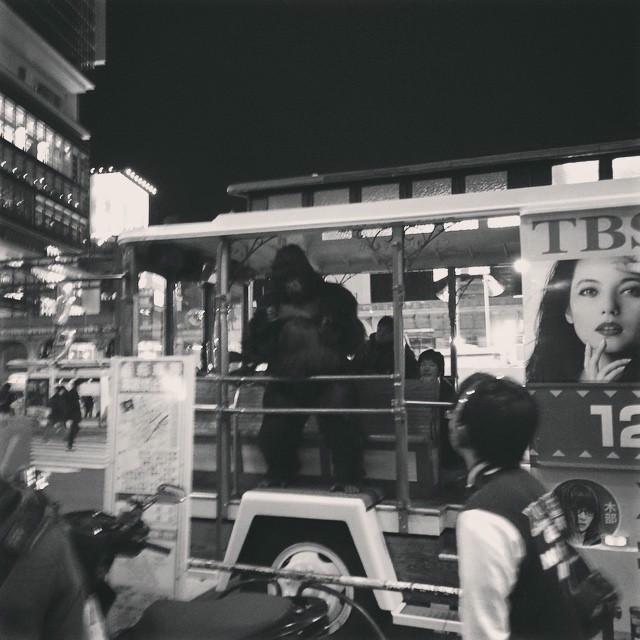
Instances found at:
x=314 y=546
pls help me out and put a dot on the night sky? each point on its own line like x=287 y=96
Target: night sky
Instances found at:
x=199 y=94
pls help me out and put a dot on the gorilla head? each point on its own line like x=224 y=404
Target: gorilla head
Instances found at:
x=292 y=277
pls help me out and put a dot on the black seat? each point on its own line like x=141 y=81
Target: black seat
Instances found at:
x=238 y=616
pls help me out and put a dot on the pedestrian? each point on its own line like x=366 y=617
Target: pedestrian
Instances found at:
x=57 y=418
x=74 y=413
x=88 y=403
x=506 y=592
x=5 y=398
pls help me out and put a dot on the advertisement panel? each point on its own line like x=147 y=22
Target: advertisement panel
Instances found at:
x=582 y=334
x=582 y=345
x=151 y=443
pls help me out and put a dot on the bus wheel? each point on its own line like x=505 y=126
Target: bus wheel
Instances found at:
x=316 y=558
x=317 y=547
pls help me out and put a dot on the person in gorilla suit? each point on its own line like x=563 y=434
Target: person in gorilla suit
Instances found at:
x=304 y=327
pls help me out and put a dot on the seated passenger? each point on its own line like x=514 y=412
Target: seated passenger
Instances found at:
x=378 y=356
x=431 y=367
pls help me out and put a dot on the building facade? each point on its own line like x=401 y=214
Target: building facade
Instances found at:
x=46 y=51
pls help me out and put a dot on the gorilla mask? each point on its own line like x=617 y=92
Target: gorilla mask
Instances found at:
x=293 y=278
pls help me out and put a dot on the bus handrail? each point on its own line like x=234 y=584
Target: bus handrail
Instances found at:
x=352 y=581
x=240 y=380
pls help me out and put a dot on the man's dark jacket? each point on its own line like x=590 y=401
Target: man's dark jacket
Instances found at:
x=42 y=598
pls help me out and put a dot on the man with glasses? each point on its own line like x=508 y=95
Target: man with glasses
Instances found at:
x=507 y=595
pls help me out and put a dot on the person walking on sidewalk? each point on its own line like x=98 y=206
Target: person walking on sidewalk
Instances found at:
x=74 y=413
x=57 y=417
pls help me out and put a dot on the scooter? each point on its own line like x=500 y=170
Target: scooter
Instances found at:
x=232 y=615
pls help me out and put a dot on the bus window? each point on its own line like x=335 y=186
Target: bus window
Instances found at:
x=36 y=394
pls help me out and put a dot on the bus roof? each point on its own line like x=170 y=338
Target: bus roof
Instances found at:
x=308 y=226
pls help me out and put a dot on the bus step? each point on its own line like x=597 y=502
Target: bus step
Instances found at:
x=439 y=617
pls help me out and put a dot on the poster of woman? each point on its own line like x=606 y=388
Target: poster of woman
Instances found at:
x=582 y=512
x=587 y=324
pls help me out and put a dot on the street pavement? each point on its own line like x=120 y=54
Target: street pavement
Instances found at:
x=54 y=456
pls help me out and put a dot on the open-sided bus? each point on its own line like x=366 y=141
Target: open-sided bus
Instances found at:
x=589 y=433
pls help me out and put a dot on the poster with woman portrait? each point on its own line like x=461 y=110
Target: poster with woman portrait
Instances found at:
x=590 y=510
x=581 y=296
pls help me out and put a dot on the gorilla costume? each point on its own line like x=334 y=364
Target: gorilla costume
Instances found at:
x=304 y=327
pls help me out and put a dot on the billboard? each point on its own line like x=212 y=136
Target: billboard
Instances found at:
x=582 y=335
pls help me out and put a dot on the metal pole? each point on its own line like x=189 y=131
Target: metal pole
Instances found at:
x=222 y=368
x=168 y=333
x=207 y=325
x=400 y=414
x=127 y=304
x=325 y=578
x=453 y=322
x=487 y=310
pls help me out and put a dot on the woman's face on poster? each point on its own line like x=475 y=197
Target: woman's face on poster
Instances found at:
x=584 y=518
x=604 y=304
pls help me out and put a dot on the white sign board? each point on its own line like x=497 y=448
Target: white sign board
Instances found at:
x=151 y=443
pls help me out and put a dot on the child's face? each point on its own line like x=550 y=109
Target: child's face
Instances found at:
x=429 y=369
x=604 y=304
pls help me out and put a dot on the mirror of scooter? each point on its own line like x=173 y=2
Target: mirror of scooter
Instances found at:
x=170 y=494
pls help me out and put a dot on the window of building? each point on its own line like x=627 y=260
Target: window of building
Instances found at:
x=43 y=152
x=25 y=131
x=418 y=285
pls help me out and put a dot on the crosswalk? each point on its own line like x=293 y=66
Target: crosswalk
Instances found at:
x=87 y=453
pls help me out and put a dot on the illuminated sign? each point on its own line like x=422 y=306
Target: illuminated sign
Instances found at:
x=117 y=204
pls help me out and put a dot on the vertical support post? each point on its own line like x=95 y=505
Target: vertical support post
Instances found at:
x=127 y=304
x=207 y=326
x=400 y=411
x=168 y=317
x=223 y=452
x=247 y=304
x=487 y=310
x=453 y=321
